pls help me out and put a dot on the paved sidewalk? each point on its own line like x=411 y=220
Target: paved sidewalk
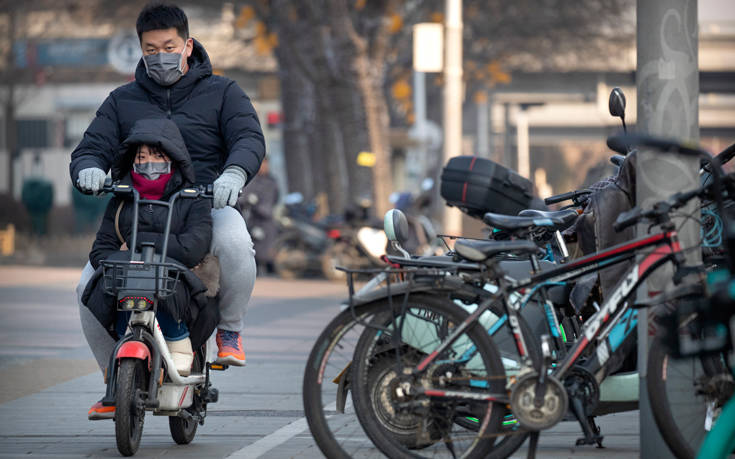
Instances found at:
x=48 y=389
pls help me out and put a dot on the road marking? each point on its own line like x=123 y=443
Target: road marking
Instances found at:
x=279 y=437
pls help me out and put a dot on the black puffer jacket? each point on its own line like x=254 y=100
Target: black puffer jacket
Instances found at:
x=189 y=240
x=215 y=117
x=191 y=221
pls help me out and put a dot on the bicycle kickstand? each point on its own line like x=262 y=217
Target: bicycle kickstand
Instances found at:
x=533 y=444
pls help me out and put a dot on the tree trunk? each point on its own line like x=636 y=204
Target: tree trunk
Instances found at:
x=298 y=105
x=368 y=67
x=351 y=115
x=370 y=81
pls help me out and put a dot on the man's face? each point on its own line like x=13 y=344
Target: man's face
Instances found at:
x=166 y=41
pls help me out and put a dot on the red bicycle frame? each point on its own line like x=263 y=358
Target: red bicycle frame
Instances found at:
x=667 y=248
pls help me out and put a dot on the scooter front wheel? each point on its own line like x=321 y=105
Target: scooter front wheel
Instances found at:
x=129 y=410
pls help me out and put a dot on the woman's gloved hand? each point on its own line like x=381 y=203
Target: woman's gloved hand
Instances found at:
x=227 y=187
x=91 y=179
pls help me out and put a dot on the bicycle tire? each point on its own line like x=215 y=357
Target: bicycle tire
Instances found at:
x=505 y=343
x=428 y=319
x=681 y=420
x=338 y=435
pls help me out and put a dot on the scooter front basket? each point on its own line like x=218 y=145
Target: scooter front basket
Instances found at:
x=136 y=278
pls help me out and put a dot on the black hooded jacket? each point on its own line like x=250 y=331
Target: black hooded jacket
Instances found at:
x=191 y=220
x=215 y=117
x=189 y=240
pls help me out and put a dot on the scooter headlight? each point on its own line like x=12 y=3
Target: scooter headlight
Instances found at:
x=135 y=303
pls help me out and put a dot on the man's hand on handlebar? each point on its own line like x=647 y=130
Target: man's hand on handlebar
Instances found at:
x=91 y=180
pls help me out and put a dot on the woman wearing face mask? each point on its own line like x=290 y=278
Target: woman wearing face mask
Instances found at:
x=155 y=161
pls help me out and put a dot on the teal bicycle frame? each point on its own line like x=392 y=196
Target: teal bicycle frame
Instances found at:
x=720 y=441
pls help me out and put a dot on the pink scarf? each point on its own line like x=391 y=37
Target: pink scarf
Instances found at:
x=150 y=189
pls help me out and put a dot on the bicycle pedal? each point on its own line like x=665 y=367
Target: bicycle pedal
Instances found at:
x=218 y=366
x=211 y=395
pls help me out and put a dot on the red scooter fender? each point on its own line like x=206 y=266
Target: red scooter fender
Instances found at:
x=134 y=350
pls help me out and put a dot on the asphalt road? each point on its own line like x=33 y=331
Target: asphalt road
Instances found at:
x=48 y=380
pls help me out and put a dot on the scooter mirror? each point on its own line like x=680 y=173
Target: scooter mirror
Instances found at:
x=617 y=103
x=395 y=225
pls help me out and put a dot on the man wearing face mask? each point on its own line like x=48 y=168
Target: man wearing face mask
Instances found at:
x=222 y=132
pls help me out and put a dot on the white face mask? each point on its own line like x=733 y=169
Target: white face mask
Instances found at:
x=165 y=68
x=152 y=170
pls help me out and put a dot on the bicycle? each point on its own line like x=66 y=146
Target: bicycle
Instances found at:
x=332 y=352
x=537 y=400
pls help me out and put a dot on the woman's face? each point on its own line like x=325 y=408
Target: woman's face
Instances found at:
x=147 y=154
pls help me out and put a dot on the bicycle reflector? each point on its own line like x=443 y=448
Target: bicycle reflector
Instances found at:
x=134 y=303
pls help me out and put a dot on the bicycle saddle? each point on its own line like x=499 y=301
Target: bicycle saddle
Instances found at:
x=566 y=216
x=551 y=220
x=474 y=250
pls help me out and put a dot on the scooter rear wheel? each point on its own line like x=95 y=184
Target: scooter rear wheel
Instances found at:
x=183 y=429
x=129 y=413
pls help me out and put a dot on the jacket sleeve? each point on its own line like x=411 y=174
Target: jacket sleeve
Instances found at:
x=191 y=245
x=100 y=142
x=106 y=241
x=241 y=131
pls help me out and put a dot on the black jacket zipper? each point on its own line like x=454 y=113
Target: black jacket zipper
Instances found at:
x=168 y=100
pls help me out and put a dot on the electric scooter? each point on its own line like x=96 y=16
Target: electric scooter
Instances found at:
x=141 y=374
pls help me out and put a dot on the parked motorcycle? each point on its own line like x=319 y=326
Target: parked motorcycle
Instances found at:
x=142 y=375
x=302 y=242
x=358 y=243
x=361 y=242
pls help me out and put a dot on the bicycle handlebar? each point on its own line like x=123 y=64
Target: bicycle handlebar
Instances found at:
x=627 y=218
x=659 y=210
x=566 y=196
x=629 y=141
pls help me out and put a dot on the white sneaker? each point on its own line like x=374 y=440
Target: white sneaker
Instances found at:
x=182 y=354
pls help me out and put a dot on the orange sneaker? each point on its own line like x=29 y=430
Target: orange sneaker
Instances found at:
x=230 y=348
x=98 y=412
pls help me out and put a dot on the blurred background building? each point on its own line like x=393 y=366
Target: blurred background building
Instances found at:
x=62 y=58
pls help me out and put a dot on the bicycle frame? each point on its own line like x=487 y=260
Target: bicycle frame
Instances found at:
x=667 y=248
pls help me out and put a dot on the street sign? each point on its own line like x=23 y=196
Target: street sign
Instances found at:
x=428 y=47
x=123 y=52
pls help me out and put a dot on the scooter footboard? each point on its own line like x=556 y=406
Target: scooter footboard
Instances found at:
x=173 y=397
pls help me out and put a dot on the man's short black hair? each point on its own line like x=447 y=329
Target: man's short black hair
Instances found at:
x=159 y=16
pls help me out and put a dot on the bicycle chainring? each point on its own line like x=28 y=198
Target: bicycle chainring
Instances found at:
x=540 y=416
x=580 y=383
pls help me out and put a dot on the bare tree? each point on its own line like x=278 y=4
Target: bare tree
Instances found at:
x=351 y=64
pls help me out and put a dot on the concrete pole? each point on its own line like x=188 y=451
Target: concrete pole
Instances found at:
x=483 y=125
x=667 y=81
x=419 y=103
x=453 y=101
x=507 y=151
x=524 y=160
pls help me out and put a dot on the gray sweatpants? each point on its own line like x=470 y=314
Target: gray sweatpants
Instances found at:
x=231 y=243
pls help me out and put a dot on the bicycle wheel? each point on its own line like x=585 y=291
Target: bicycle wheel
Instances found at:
x=686 y=397
x=328 y=407
x=404 y=422
x=494 y=321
